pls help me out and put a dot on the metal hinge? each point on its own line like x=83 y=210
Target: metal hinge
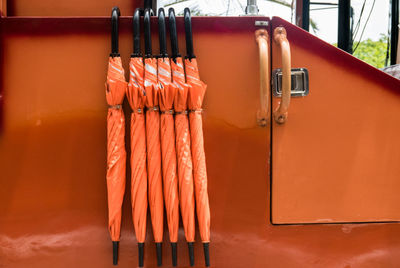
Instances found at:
x=300 y=82
x=261 y=23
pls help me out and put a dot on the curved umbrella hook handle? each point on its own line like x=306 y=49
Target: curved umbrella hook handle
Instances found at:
x=147 y=34
x=281 y=114
x=115 y=13
x=262 y=41
x=188 y=34
x=162 y=33
x=173 y=34
x=136 y=33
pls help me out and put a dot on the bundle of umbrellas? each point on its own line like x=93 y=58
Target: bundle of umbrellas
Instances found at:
x=167 y=149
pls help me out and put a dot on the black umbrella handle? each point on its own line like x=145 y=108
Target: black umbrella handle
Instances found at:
x=188 y=34
x=147 y=34
x=136 y=33
x=162 y=33
x=173 y=34
x=115 y=13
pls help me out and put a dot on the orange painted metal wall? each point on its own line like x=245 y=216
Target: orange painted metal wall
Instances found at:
x=70 y=7
x=53 y=144
x=53 y=156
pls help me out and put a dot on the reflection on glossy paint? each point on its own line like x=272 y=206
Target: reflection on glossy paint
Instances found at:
x=43 y=244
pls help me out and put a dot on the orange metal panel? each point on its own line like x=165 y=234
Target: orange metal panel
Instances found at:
x=3 y=7
x=336 y=158
x=53 y=148
x=70 y=7
x=53 y=207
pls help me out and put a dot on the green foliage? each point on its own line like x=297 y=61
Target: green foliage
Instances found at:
x=372 y=52
x=314 y=26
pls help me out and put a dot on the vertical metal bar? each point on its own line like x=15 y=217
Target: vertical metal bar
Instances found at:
x=344 y=33
x=154 y=7
x=305 y=15
x=251 y=8
x=151 y=4
x=394 y=32
x=299 y=12
x=351 y=28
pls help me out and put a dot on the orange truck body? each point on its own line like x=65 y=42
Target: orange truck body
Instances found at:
x=320 y=190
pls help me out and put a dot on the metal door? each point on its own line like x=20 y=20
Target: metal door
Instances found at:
x=336 y=158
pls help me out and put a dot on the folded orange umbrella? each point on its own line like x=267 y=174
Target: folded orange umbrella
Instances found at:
x=184 y=156
x=197 y=90
x=166 y=98
x=136 y=97
x=116 y=154
x=153 y=141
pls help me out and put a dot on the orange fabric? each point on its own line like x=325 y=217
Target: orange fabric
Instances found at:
x=166 y=97
x=136 y=97
x=154 y=149
x=184 y=157
x=195 y=100
x=116 y=154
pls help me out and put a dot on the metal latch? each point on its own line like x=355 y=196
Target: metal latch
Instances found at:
x=300 y=85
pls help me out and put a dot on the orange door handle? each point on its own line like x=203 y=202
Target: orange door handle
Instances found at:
x=281 y=114
x=262 y=41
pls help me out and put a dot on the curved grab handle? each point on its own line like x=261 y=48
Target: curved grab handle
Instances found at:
x=281 y=114
x=262 y=41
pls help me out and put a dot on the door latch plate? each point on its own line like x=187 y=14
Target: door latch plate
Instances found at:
x=300 y=82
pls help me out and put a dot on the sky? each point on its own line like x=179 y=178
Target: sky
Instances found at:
x=326 y=19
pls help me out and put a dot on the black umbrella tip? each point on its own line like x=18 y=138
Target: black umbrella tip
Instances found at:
x=174 y=249
x=141 y=254
x=159 y=254
x=191 y=253
x=115 y=252
x=206 y=247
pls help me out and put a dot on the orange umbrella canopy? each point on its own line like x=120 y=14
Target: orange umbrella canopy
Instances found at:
x=136 y=97
x=166 y=98
x=154 y=149
x=197 y=90
x=195 y=101
x=116 y=155
x=184 y=157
